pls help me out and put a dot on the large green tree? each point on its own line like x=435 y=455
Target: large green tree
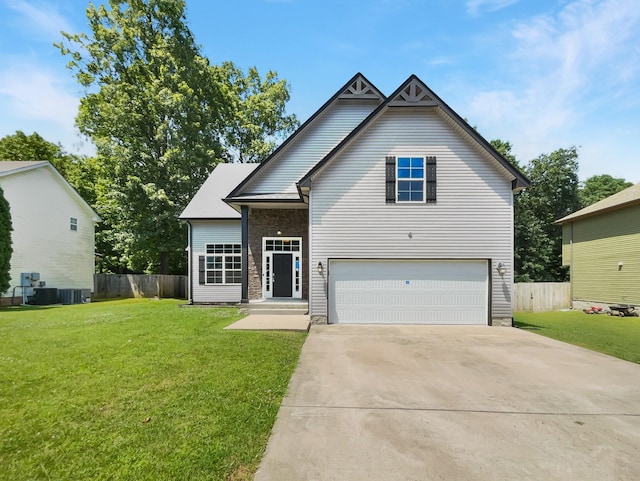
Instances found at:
x=257 y=119
x=161 y=117
x=553 y=194
x=5 y=243
x=154 y=107
x=598 y=187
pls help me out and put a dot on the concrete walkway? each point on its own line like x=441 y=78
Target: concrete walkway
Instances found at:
x=267 y=322
x=454 y=403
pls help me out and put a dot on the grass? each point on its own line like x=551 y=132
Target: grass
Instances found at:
x=612 y=335
x=137 y=390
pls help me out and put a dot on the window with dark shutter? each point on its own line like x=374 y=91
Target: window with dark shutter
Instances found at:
x=431 y=178
x=201 y=270
x=390 y=180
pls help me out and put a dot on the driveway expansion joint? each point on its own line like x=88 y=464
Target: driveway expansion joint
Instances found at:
x=463 y=411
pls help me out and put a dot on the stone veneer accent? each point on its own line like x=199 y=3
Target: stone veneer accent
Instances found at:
x=506 y=322
x=319 y=320
x=267 y=223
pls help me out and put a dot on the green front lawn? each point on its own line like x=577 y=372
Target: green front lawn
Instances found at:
x=137 y=390
x=616 y=336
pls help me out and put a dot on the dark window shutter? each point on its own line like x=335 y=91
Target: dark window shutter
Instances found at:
x=431 y=179
x=201 y=277
x=391 y=180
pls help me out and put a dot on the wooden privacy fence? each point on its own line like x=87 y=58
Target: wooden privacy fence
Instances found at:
x=542 y=296
x=112 y=286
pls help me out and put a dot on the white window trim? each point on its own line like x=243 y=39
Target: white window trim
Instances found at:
x=267 y=293
x=224 y=256
x=424 y=180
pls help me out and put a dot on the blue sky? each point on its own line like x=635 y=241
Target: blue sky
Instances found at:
x=541 y=74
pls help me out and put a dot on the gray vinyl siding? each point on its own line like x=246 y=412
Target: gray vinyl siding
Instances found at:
x=311 y=146
x=213 y=232
x=471 y=219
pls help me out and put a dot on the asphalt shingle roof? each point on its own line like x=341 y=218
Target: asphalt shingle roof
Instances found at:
x=208 y=203
x=628 y=196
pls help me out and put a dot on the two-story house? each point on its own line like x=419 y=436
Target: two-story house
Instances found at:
x=377 y=210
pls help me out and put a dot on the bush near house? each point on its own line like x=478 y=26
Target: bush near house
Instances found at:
x=137 y=389
x=5 y=243
x=612 y=335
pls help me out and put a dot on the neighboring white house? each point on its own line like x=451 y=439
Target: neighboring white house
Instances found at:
x=53 y=228
x=377 y=210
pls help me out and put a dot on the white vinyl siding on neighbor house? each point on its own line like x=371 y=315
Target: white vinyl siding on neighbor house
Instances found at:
x=471 y=219
x=44 y=241
x=205 y=232
x=324 y=134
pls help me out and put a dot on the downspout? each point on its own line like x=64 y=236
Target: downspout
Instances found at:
x=190 y=269
x=244 y=210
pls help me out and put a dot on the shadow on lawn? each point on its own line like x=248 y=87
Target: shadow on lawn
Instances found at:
x=526 y=326
x=27 y=308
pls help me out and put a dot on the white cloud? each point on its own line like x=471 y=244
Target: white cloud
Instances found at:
x=36 y=99
x=474 y=6
x=441 y=61
x=563 y=71
x=34 y=93
x=40 y=18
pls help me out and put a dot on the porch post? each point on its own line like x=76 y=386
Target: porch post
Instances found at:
x=244 y=210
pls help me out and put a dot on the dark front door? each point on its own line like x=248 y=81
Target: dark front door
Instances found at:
x=282 y=275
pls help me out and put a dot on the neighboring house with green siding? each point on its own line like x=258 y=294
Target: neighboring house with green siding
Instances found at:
x=601 y=246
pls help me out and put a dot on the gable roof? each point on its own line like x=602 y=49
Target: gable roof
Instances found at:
x=414 y=92
x=8 y=167
x=625 y=198
x=208 y=203
x=356 y=87
x=12 y=167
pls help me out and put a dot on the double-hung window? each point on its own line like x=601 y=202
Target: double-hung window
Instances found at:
x=410 y=179
x=222 y=264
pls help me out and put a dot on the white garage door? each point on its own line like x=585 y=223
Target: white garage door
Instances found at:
x=408 y=291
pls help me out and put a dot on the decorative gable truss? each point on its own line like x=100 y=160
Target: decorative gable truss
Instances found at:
x=414 y=93
x=361 y=88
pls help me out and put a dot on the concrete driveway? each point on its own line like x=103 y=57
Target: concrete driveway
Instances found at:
x=454 y=403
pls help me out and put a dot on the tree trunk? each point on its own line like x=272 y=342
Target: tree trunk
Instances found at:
x=164 y=262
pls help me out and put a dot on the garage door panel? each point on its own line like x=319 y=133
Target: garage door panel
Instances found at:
x=409 y=292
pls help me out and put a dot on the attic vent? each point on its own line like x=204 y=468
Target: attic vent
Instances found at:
x=361 y=89
x=414 y=93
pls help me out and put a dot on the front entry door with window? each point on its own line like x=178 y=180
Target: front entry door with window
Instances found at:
x=282 y=275
x=282 y=267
